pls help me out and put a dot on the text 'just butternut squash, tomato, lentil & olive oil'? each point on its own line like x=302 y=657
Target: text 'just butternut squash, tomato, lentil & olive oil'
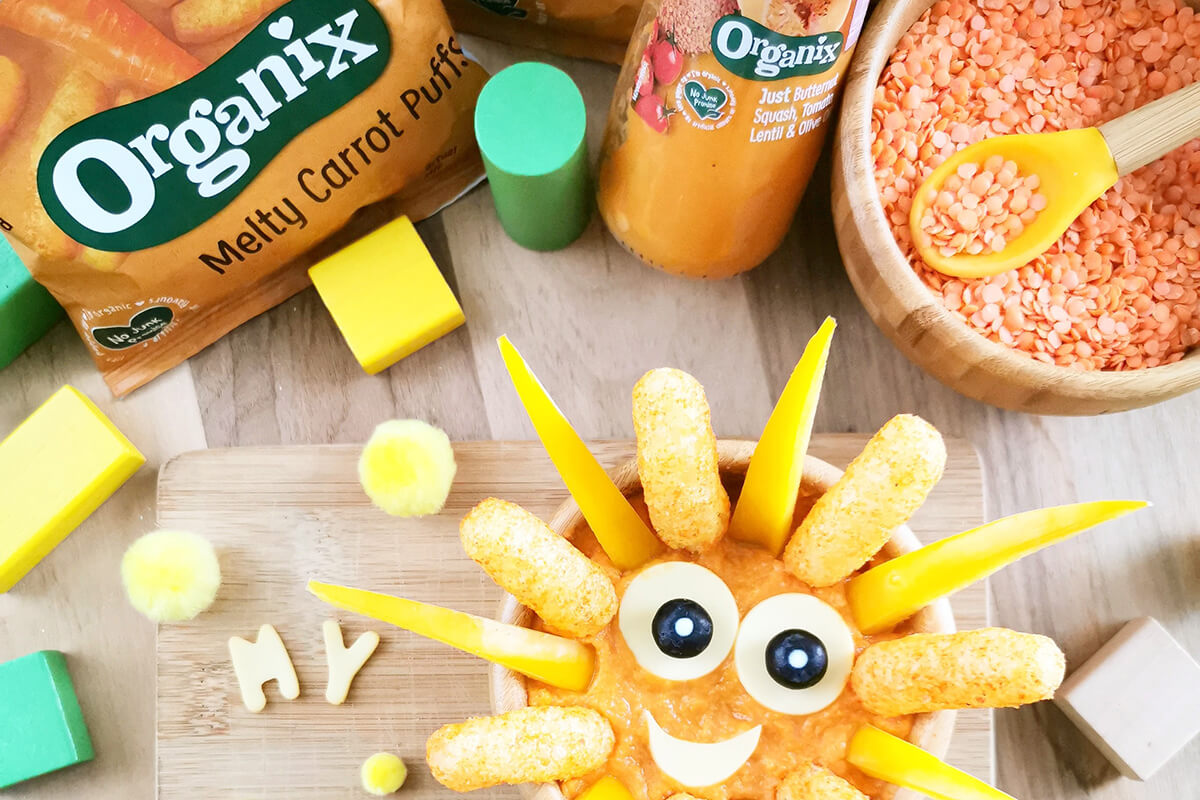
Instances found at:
x=718 y=119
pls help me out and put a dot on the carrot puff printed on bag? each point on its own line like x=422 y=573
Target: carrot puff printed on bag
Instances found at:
x=168 y=164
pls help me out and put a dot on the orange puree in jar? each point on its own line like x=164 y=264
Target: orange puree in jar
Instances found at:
x=716 y=707
x=708 y=151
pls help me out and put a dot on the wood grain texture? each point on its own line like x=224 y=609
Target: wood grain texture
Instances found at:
x=287 y=377
x=1148 y=133
x=905 y=309
x=282 y=516
x=73 y=600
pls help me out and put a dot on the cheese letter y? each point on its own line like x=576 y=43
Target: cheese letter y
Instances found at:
x=345 y=663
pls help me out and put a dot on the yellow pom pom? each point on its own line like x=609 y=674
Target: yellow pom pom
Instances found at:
x=383 y=773
x=171 y=576
x=407 y=468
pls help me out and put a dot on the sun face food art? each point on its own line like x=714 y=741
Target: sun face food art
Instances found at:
x=167 y=163
x=754 y=666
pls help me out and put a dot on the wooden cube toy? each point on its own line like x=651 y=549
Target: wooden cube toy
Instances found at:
x=56 y=468
x=386 y=295
x=27 y=310
x=1137 y=699
x=41 y=724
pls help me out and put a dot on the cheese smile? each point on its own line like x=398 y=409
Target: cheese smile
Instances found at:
x=699 y=764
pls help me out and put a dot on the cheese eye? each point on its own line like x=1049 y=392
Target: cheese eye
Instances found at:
x=679 y=620
x=794 y=654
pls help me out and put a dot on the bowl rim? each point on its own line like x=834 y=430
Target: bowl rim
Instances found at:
x=888 y=23
x=932 y=731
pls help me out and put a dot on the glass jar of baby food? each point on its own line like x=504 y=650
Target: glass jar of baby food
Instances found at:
x=719 y=117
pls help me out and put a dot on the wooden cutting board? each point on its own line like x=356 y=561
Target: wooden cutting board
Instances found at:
x=282 y=515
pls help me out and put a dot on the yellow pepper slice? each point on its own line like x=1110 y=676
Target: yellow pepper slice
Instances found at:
x=607 y=788
x=626 y=539
x=764 y=511
x=894 y=760
x=545 y=657
x=895 y=590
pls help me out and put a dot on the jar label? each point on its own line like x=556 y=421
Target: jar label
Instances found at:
x=706 y=101
x=751 y=50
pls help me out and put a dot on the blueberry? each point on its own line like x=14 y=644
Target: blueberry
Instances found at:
x=796 y=659
x=682 y=628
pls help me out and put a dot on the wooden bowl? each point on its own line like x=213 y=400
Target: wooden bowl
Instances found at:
x=907 y=311
x=931 y=731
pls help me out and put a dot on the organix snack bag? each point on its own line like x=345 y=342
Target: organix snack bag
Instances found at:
x=596 y=29
x=170 y=163
x=719 y=117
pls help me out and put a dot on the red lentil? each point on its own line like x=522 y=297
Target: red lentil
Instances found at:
x=1121 y=289
x=979 y=208
x=689 y=22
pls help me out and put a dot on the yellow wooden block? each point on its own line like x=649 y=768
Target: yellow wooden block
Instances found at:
x=386 y=295
x=56 y=468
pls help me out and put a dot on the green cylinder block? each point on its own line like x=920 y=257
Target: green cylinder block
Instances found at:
x=531 y=125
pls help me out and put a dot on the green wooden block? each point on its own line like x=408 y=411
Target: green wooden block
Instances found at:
x=531 y=125
x=27 y=310
x=41 y=725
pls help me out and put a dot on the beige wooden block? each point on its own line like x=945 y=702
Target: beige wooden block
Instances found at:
x=1137 y=699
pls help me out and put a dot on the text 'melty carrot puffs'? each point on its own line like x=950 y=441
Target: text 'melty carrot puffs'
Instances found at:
x=235 y=136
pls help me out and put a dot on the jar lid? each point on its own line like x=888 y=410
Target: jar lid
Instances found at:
x=531 y=125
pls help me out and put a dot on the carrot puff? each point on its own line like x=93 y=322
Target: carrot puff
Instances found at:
x=14 y=90
x=118 y=39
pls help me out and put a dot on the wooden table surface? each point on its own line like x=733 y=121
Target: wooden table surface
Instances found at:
x=591 y=320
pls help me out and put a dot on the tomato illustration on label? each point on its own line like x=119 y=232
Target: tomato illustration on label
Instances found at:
x=668 y=62
x=654 y=111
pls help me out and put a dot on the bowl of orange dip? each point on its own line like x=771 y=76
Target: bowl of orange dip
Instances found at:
x=1109 y=319
x=716 y=706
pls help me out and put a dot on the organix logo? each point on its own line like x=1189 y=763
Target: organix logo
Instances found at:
x=143 y=174
x=752 y=51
